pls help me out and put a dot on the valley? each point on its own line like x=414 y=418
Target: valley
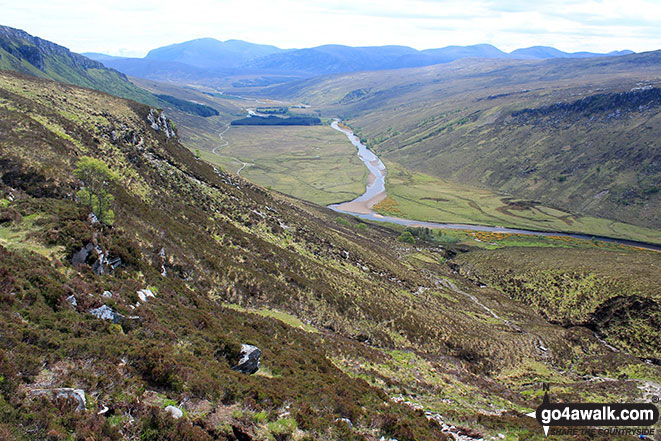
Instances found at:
x=449 y=239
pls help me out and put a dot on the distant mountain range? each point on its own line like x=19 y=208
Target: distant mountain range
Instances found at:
x=207 y=57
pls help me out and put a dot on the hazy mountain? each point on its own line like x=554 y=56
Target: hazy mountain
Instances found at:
x=100 y=57
x=205 y=59
x=158 y=69
x=333 y=59
x=545 y=52
x=22 y=52
x=212 y=54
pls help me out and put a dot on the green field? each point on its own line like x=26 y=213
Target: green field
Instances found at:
x=427 y=198
x=316 y=164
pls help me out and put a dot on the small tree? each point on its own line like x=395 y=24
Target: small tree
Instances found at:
x=96 y=177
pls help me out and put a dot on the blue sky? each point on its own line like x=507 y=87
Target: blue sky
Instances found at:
x=131 y=28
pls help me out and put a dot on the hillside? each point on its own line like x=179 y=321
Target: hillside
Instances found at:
x=21 y=52
x=575 y=134
x=356 y=330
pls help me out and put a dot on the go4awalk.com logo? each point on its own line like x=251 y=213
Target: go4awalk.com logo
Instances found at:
x=618 y=415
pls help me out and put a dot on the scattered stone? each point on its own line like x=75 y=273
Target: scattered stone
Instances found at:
x=92 y=218
x=174 y=411
x=143 y=294
x=106 y=294
x=345 y=420
x=164 y=271
x=249 y=363
x=104 y=410
x=71 y=300
x=64 y=392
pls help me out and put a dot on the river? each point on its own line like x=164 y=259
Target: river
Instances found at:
x=375 y=191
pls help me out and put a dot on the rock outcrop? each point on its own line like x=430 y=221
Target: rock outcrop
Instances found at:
x=97 y=258
x=249 y=363
x=161 y=123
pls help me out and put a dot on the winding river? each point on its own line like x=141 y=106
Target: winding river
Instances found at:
x=375 y=191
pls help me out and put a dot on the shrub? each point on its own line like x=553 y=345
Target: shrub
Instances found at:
x=282 y=429
x=406 y=237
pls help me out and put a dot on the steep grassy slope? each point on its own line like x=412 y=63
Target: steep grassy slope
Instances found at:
x=21 y=52
x=347 y=318
x=578 y=135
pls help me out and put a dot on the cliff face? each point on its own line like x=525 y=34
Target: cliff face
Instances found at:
x=34 y=49
x=24 y=53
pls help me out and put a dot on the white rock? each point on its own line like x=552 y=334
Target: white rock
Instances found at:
x=144 y=293
x=174 y=411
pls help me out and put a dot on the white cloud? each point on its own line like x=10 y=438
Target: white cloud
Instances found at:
x=124 y=27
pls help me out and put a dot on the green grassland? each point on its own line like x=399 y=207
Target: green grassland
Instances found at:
x=427 y=198
x=317 y=164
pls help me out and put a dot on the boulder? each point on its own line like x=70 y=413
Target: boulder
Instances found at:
x=105 y=312
x=249 y=363
x=174 y=411
x=71 y=300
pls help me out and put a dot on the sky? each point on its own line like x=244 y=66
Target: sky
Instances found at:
x=133 y=27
